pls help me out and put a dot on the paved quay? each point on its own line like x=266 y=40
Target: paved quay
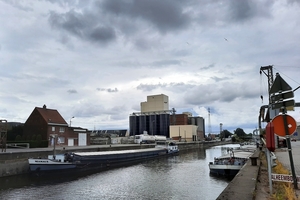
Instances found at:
x=243 y=185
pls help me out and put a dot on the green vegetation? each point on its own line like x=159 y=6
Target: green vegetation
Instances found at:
x=282 y=190
x=15 y=135
x=239 y=135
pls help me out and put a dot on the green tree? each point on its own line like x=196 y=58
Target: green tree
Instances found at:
x=33 y=137
x=39 y=138
x=14 y=132
x=18 y=138
x=225 y=134
x=240 y=132
x=233 y=139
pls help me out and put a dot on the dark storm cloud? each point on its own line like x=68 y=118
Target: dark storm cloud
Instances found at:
x=107 y=18
x=135 y=20
x=248 y=9
x=84 y=26
x=164 y=15
x=102 y=34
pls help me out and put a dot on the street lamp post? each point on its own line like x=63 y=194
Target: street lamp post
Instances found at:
x=71 y=120
x=221 y=131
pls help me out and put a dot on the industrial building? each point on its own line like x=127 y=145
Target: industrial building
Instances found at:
x=156 y=118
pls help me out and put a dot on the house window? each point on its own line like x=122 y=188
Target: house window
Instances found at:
x=62 y=129
x=53 y=128
x=60 y=140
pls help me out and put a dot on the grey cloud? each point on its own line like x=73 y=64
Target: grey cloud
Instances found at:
x=108 y=90
x=218 y=79
x=147 y=87
x=89 y=109
x=72 y=91
x=164 y=15
x=248 y=9
x=72 y=22
x=115 y=110
x=100 y=89
x=294 y=1
x=166 y=63
x=84 y=26
x=208 y=67
x=112 y=90
x=142 y=44
x=169 y=86
x=102 y=34
x=20 y=5
x=181 y=53
x=230 y=12
x=225 y=92
x=103 y=22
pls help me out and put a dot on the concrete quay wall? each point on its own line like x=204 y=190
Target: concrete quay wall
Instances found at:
x=15 y=161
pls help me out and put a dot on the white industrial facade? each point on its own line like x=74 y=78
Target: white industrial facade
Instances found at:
x=155 y=103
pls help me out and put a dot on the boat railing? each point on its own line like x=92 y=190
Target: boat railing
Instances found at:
x=230 y=161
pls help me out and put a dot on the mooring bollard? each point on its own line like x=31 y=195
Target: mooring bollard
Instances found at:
x=254 y=160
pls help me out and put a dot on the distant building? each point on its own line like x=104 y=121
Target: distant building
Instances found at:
x=155 y=118
x=112 y=133
x=155 y=103
x=186 y=127
x=47 y=122
x=99 y=137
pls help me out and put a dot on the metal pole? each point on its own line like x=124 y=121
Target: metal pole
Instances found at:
x=269 y=170
x=288 y=141
x=54 y=153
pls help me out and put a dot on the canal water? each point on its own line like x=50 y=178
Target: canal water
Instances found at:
x=185 y=176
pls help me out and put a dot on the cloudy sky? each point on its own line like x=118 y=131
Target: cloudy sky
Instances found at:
x=97 y=60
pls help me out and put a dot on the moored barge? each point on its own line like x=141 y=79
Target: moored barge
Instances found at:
x=99 y=160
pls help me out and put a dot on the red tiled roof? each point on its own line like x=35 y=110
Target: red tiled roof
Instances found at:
x=51 y=115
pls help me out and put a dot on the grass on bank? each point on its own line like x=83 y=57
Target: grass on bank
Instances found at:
x=281 y=190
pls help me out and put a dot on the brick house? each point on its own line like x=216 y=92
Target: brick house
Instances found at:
x=46 y=122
